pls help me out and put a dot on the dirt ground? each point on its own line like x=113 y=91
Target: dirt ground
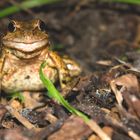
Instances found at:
x=104 y=39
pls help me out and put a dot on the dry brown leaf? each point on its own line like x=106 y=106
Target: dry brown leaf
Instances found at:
x=73 y=129
x=94 y=137
x=108 y=130
x=128 y=81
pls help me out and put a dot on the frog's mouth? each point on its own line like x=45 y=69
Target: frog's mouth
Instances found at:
x=23 y=55
x=25 y=47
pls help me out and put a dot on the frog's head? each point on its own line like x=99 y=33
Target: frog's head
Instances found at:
x=26 y=39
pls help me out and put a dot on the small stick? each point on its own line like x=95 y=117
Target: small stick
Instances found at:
x=19 y=117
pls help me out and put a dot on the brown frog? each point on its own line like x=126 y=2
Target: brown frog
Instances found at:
x=24 y=48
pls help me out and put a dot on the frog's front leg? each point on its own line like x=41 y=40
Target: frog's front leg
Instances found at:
x=54 y=60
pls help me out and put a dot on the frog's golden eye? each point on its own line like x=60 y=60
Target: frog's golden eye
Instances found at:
x=42 y=25
x=11 y=27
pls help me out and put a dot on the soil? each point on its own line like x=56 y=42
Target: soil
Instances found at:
x=104 y=40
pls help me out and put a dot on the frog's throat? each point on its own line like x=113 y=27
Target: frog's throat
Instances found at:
x=25 y=47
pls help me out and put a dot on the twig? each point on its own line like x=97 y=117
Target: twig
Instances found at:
x=96 y=128
x=20 y=118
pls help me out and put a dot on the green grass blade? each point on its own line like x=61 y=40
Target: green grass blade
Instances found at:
x=17 y=95
x=25 y=5
x=56 y=95
x=137 y=2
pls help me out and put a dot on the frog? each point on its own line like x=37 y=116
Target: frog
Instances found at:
x=24 y=47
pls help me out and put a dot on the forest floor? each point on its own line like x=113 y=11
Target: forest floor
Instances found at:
x=105 y=41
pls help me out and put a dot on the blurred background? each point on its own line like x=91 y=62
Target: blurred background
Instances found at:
x=86 y=30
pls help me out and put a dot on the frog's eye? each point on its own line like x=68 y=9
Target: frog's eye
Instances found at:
x=42 y=25
x=11 y=27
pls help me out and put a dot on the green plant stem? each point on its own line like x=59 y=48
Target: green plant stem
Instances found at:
x=17 y=95
x=25 y=5
x=55 y=94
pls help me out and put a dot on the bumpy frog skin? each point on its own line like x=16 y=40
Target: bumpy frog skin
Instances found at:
x=24 y=47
